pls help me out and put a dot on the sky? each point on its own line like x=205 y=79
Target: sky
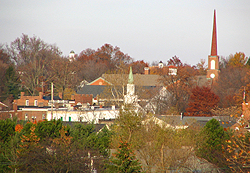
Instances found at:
x=149 y=30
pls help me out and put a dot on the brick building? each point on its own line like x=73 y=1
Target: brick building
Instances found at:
x=27 y=101
x=82 y=99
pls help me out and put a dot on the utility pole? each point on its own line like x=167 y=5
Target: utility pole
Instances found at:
x=52 y=100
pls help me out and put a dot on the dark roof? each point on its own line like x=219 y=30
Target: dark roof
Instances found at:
x=49 y=98
x=225 y=122
x=91 y=89
x=36 y=107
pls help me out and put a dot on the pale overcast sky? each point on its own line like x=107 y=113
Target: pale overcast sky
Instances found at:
x=149 y=30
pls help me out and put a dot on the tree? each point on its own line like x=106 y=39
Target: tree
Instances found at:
x=33 y=58
x=128 y=124
x=12 y=82
x=138 y=67
x=179 y=86
x=66 y=79
x=238 y=147
x=7 y=71
x=211 y=143
x=105 y=59
x=124 y=160
x=237 y=60
x=201 y=102
x=229 y=83
x=175 y=61
x=8 y=146
x=202 y=68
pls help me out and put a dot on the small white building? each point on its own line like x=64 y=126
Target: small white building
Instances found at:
x=93 y=114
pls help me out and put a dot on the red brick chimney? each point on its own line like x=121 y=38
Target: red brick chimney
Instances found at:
x=22 y=94
x=15 y=105
x=60 y=95
x=41 y=95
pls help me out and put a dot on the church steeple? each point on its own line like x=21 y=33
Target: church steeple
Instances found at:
x=214 y=38
x=213 y=58
x=130 y=97
x=130 y=77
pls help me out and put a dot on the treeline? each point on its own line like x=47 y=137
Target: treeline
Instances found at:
x=50 y=146
x=141 y=145
x=29 y=64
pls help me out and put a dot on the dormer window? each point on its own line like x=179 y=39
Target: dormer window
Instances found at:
x=27 y=103
x=35 y=102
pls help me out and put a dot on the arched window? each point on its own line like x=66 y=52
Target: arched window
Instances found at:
x=213 y=64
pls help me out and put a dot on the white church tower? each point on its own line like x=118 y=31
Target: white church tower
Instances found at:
x=130 y=97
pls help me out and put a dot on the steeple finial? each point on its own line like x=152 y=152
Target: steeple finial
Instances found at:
x=214 y=38
x=130 y=77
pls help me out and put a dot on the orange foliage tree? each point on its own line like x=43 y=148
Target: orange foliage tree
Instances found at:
x=201 y=102
x=239 y=149
x=179 y=86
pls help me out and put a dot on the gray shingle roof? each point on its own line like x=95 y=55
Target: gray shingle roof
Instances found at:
x=91 y=89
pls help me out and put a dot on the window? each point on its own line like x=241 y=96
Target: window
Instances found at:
x=213 y=64
x=26 y=117
x=27 y=103
x=43 y=116
x=35 y=102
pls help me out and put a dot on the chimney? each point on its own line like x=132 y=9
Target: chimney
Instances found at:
x=72 y=97
x=60 y=95
x=15 y=105
x=146 y=70
x=41 y=95
x=22 y=94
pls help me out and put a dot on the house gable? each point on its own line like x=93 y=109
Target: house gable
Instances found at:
x=99 y=81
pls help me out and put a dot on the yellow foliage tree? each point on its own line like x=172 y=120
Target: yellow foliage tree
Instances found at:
x=237 y=60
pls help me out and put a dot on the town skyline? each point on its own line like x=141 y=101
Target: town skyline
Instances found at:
x=145 y=31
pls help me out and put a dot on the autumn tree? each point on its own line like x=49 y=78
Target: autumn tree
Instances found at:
x=105 y=59
x=175 y=61
x=33 y=58
x=238 y=147
x=179 y=86
x=201 y=101
x=230 y=82
x=64 y=80
x=202 y=68
x=237 y=60
x=138 y=67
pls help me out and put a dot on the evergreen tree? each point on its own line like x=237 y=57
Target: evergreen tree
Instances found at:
x=12 y=82
x=211 y=143
x=124 y=160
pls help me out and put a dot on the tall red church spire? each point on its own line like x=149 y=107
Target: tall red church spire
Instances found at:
x=213 y=59
x=214 y=38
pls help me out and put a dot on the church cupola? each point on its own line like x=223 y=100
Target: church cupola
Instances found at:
x=213 y=58
x=160 y=65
